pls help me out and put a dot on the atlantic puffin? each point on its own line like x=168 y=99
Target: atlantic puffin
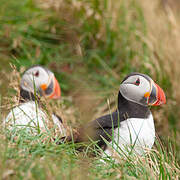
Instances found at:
x=36 y=81
x=131 y=127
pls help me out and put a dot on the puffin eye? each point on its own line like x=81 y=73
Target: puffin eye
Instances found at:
x=137 y=82
x=36 y=73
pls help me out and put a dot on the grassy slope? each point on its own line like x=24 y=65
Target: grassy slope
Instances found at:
x=99 y=42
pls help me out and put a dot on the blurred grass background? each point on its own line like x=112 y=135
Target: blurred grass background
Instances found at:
x=91 y=45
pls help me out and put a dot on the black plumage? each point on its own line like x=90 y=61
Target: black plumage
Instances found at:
x=27 y=96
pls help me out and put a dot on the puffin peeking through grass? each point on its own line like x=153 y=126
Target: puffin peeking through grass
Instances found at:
x=131 y=127
x=36 y=81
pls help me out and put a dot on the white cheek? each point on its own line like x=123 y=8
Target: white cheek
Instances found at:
x=29 y=82
x=134 y=93
x=131 y=92
x=33 y=81
x=145 y=86
x=41 y=79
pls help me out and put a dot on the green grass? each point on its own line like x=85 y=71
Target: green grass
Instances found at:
x=33 y=158
x=90 y=46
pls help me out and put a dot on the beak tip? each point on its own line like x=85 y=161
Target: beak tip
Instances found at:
x=57 y=90
x=161 y=97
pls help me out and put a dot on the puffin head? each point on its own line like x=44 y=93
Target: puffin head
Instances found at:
x=42 y=81
x=141 y=89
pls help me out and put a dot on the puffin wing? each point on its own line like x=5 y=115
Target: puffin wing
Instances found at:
x=59 y=123
x=103 y=127
x=97 y=130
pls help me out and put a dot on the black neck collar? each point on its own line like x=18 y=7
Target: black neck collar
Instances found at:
x=130 y=109
x=27 y=96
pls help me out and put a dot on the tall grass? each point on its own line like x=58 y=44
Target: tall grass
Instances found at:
x=91 y=45
x=30 y=157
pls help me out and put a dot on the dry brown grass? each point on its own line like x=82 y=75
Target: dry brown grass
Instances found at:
x=13 y=79
x=163 y=26
x=163 y=34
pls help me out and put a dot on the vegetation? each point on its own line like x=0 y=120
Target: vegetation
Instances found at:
x=90 y=46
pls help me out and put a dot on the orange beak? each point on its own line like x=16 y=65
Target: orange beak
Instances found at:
x=53 y=90
x=160 y=96
x=56 y=94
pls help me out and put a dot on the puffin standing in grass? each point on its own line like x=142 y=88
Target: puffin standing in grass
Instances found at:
x=131 y=127
x=36 y=81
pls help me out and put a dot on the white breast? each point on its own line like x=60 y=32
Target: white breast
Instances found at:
x=30 y=117
x=134 y=135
